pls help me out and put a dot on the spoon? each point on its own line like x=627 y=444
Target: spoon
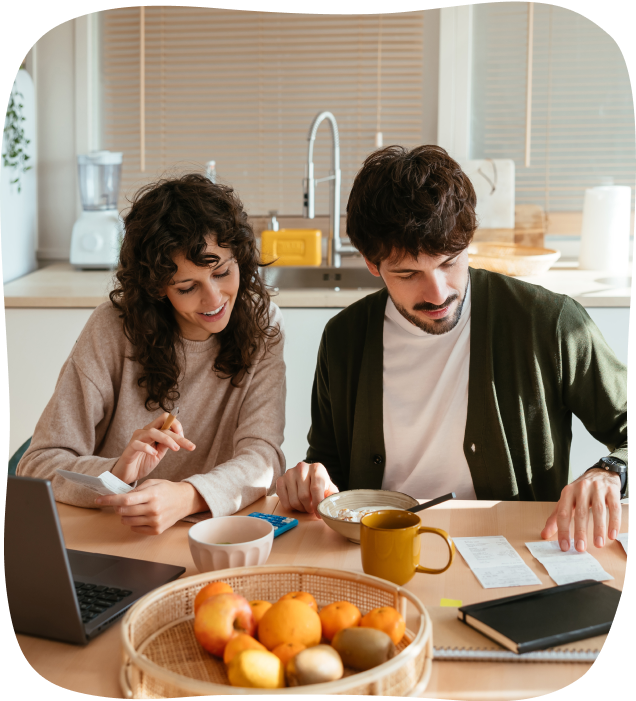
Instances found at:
x=433 y=502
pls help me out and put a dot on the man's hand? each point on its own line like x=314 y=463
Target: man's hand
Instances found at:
x=303 y=487
x=155 y=505
x=594 y=489
x=147 y=447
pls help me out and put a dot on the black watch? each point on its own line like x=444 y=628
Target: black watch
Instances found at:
x=613 y=465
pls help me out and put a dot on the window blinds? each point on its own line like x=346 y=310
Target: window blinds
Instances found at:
x=242 y=88
x=582 y=110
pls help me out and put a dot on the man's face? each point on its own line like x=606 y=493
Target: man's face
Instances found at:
x=428 y=291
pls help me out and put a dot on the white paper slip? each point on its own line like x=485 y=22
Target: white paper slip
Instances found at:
x=105 y=484
x=622 y=539
x=567 y=567
x=495 y=562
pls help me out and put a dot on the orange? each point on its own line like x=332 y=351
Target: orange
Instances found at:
x=386 y=619
x=258 y=609
x=304 y=596
x=240 y=642
x=289 y=621
x=209 y=590
x=337 y=616
x=285 y=651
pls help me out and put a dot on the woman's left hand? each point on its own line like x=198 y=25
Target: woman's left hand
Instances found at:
x=155 y=505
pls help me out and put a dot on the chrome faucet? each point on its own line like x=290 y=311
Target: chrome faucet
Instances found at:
x=335 y=249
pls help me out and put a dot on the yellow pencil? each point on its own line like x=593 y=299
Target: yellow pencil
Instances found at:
x=171 y=417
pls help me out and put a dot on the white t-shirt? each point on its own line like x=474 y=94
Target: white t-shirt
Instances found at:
x=425 y=402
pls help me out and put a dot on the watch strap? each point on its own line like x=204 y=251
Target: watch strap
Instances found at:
x=607 y=467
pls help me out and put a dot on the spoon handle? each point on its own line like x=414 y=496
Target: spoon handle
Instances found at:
x=433 y=502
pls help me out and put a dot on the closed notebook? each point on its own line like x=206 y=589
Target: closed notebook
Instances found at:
x=453 y=640
x=545 y=618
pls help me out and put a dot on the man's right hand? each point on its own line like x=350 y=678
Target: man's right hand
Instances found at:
x=303 y=487
x=146 y=448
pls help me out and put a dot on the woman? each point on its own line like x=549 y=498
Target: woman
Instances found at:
x=189 y=324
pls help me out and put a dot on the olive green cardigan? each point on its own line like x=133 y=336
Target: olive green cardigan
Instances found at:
x=536 y=358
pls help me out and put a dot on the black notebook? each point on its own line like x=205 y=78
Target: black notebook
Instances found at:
x=545 y=618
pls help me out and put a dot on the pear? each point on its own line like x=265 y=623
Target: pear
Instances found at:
x=314 y=665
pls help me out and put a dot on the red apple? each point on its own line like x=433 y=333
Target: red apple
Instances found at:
x=218 y=619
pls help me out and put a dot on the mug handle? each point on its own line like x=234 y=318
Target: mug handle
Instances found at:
x=451 y=549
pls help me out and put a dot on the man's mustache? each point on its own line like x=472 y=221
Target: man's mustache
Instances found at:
x=428 y=307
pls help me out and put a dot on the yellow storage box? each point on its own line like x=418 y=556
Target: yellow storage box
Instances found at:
x=292 y=247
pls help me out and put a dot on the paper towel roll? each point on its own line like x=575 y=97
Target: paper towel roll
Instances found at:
x=606 y=228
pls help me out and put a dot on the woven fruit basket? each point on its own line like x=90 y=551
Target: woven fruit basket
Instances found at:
x=162 y=659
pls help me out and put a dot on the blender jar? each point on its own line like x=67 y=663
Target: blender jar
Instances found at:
x=99 y=175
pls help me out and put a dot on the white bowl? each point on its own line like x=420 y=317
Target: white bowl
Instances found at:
x=357 y=499
x=230 y=541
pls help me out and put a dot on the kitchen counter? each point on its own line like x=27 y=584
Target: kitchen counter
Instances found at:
x=61 y=286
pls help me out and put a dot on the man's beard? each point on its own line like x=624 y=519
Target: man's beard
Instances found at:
x=435 y=327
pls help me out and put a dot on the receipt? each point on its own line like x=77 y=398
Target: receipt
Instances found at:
x=570 y=566
x=622 y=538
x=495 y=562
x=105 y=484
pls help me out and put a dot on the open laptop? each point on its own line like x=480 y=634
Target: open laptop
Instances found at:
x=63 y=594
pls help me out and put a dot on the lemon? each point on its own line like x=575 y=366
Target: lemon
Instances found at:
x=256 y=669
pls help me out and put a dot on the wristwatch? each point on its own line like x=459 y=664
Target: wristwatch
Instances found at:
x=613 y=465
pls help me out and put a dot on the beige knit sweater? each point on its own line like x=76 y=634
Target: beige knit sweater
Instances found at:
x=97 y=405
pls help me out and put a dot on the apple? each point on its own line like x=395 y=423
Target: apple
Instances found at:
x=219 y=619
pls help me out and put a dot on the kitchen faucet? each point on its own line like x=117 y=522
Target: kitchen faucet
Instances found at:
x=335 y=249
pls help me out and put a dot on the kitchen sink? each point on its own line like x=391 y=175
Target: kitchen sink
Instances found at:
x=323 y=278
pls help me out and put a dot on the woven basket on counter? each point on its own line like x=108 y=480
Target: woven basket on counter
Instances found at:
x=162 y=658
x=511 y=259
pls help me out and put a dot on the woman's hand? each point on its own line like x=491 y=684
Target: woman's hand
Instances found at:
x=147 y=447
x=155 y=505
x=303 y=487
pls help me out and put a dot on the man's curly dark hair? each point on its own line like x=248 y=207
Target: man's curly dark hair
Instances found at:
x=410 y=202
x=178 y=216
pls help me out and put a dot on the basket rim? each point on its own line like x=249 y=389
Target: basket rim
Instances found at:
x=195 y=685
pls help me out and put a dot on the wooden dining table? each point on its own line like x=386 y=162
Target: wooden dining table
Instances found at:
x=95 y=668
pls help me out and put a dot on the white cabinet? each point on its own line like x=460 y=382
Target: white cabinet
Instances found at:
x=303 y=330
x=40 y=340
x=38 y=343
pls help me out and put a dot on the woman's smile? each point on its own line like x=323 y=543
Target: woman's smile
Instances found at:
x=214 y=315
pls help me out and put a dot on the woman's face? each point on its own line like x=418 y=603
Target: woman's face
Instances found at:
x=203 y=298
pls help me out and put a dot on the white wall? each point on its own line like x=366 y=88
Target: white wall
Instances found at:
x=18 y=207
x=54 y=75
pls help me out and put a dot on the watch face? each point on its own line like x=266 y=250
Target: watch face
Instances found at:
x=614 y=462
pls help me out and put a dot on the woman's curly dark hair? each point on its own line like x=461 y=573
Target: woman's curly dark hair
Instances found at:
x=176 y=216
x=411 y=202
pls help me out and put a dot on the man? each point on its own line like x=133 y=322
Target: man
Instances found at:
x=455 y=379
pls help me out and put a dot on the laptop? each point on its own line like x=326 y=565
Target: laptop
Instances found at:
x=62 y=594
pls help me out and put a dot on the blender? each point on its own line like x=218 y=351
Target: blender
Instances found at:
x=97 y=234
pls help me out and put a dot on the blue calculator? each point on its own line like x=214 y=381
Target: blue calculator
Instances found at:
x=280 y=523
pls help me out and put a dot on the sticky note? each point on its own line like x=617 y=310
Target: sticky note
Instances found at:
x=450 y=602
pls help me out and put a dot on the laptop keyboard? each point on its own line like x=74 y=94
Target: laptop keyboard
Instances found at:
x=95 y=599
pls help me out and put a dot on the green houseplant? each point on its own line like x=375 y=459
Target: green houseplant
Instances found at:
x=14 y=154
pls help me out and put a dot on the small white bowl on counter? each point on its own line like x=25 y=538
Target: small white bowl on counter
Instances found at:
x=230 y=541
x=360 y=500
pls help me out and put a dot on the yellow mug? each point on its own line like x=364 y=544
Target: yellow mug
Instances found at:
x=390 y=545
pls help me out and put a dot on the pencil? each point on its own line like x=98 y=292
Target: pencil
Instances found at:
x=171 y=417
